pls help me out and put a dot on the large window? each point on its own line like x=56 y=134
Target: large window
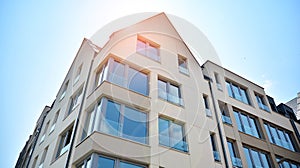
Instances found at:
x=64 y=143
x=256 y=158
x=246 y=124
x=237 y=92
x=148 y=49
x=169 y=91
x=123 y=75
x=171 y=134
x=99 y=161
x=117 y=119
x=279 y=137
x=262 y=103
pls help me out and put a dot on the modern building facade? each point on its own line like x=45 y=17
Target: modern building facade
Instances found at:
x=295 y=105
x=143 y=100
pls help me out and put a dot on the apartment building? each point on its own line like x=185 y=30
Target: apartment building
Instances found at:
x=295 y=105
x=143 y=100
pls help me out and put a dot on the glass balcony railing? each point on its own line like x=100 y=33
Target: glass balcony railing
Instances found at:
x=217 y=156
x=226 y=119
x=183 y=70
x=236 y=162
x=64 y=149
x=173 y=143
x=208 y=112
x=170 y=97
x=263 y=107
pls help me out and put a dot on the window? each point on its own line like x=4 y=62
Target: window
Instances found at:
x=78 y=72
x=43 y=157
x=54 y=122
x=64 y=90
x=75 y=101
x=236 y=161
x=219 y=86
x=225 y=113
x=279 y=137
x=64 y=143
x=206 y=105
x=124 y=76
x=44 y=132
x=214 y=148
x=169 y=92
x=118 y=120
x=34 y=161
x=246 y=124
x=172 y=135
x=100 y=161
x=237 y=92
x=256 y=158
x=148 y=49
x=182 y=65
x=286 y=163
x=261 y=103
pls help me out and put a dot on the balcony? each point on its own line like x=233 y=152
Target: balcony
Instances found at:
x=174 y=143
x=236 y=162
x=226 y=119
x=217 y=156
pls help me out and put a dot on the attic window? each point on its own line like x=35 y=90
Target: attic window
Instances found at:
x=147 y=48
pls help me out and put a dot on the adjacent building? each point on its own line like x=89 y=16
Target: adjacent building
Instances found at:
x=144 y=101
x=295 y=105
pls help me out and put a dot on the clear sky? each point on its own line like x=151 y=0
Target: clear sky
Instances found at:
x=39 y=39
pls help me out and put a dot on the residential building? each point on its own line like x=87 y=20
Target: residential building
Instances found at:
x=143 y=100
x=295 y=105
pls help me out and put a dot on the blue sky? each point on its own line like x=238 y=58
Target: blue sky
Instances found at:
x=39 y=39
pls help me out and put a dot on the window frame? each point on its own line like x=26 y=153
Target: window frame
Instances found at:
x=167 y=89
x=183 y=69
x=105 y=73
x=171 y=134
x=64 y=91
x=75 y=100
x=65 y=139
x=261 y=102
x=260 y=153
x=148 y=46
x=232 y=94
x=248 y=117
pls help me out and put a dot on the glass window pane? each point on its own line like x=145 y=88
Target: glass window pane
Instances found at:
x=128 y=165
x=288 y=138
x=105 y=162
x=162 y=89
x=141 y=47
x=255 y=157
x=248 y=158
x=238 y=121
x=116 y=75
x=177 y=137
x=164 y=135
x=264 y=160
x=174 y=94
x=254 y=127
x=275 y=136
x=246 y=124
x=268 y=133
x=229 y=89
x=110 y=124
x=137 y=81
x=231 y=149
x=244 y=97
x=135 y=125
x=236 y=92
x=152 y=52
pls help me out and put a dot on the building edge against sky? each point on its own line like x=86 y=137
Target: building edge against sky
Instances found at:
x=143 y=100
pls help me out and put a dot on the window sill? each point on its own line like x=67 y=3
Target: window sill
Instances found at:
x=176 y=104
x=173 y=149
